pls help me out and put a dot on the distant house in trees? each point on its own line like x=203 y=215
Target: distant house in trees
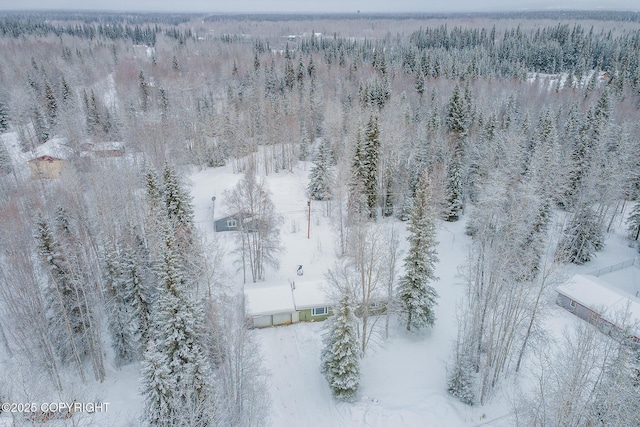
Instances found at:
x=286 y=304
x=233 y=223
x=608 y=298
x=50 y=159
x=107 y=149
x=227 y=223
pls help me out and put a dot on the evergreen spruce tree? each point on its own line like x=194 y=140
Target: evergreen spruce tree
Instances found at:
x=6 y=165
x=155 y=192
x=461 y=382
x=66 y=91
x=370 y=161
x=582 y=238
x=179 y=344
x=357 y=203
x=633 y=221
x=534 y=242
x=158 y=388
x=51 y=105
x=144 y=91
x=321 y=178
x=341 y=353
x=118 y=310
x=453 y=197
x=457 y=113
x=138 y=297
x=64 y=305
x=417 y=297
x=4 y=117
x=177 y=200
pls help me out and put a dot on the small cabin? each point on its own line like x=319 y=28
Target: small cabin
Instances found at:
x=46 y=167
x=228 y=223
x=236 y=222
x=50 y=159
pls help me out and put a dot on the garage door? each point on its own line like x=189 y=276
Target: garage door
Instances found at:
x=281 y=319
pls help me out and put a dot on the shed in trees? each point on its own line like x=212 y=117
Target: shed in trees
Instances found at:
x=107 y=149
x=50 y=159
x=600 y=302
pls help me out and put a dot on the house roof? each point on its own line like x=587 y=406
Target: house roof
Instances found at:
x=56 y=148
x=601 y=297
x=309 y=294
x=107 y=146
x=265 y=300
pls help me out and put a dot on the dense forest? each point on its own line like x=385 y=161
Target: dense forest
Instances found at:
x=501 y=120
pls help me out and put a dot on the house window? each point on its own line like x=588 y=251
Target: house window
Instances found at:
x=375 y=304
x=232 y=223
x=572 y=304
x=319 y=311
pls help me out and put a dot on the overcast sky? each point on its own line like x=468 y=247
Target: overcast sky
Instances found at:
x=293 y=6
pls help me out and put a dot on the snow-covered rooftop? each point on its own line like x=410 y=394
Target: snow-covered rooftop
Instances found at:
x=265 y=300
x=600 y=296
x=55 y=147
x=310 y=294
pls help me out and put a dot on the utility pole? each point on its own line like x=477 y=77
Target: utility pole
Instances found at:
x=309 y=220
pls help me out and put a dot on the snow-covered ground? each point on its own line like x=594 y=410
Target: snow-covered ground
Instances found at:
x=403 y=379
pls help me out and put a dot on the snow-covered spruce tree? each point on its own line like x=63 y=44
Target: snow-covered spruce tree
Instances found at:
x=582 y=238
x=177 y=200
x=363 y=186
x=154 y=191
x=4 y=117
x=371 y=161
x=633 y=220
x=6 y=166
x=457 y=114
x=461 y=382
x=341 y=353
x=158 y=388
x=64 y=308
x=177 y=343
x=357 y=203
x=138 y=296
x=119 y=317
x=417 y=297
x=453 y=198
x=320 y=178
